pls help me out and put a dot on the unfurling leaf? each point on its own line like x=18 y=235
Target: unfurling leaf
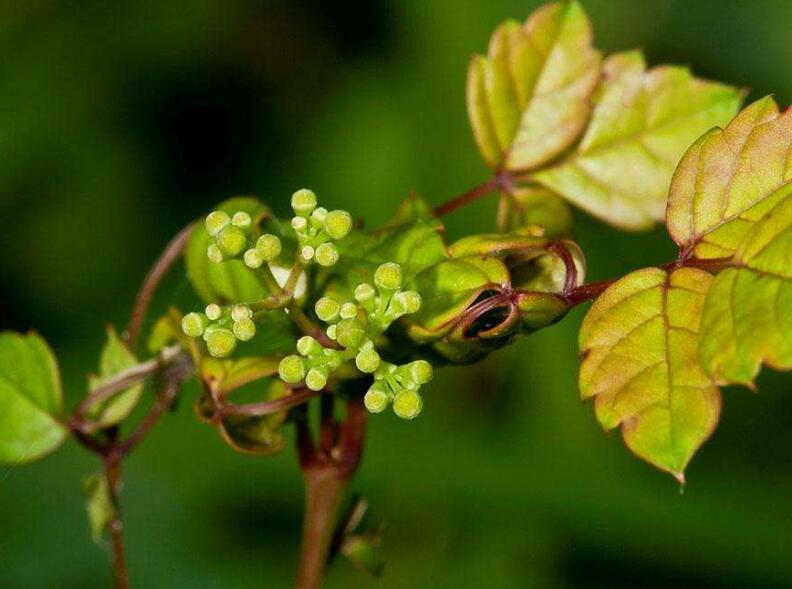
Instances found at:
x=529 y=99
x=259 y=435
x=30 y=398
x=747 y=316
x=639 y=344
x=729 y=179
x=98 y=504
x=534 y=206
x=642 y=123
x=115 y=357
x=225 y=376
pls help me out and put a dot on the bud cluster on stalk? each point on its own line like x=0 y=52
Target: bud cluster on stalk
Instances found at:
x=355 y=326
x=221 y=327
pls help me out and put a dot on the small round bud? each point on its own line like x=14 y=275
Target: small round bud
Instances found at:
x=388 y=276
x=420 y=371
x=350 y=333
x=307 y=253
x=365 y=293
x=216 y=221
x=338 y=224
x=194 y=324
x=214 y=253
x=213 y=311
x=291 y=369
x=327 y=309
x=319 y=215
x=409 y=300
x=376 y=399
x=303 y=202
x=239 y=312
x=407 y=404
x=269 y=247
x=253 y=259
x=308 y=346
x=232 y=240
x=316 y=379
x=332 y=331
x=221 y=342
x=244 y=329
x=299 y=223
x=348 y=311
x=367 y=361
x=326 y=254
x=241 y=219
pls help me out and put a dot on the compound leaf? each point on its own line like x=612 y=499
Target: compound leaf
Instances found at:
x=642 y=123
x=30 y=398
x=747 y=317
x=529 y=99
x=640 y=363
x=729 y=179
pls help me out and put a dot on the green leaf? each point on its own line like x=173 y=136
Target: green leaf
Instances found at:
x=729 y=179
x=747 y=316
x=230 y=281
x=642 y=124
x=228 y=375
x=31 y=398
x=534 y=205
x=639 y=343
x=98 y=505
x=529 y=99
x=114 y=358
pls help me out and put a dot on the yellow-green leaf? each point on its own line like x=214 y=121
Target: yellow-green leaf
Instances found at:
x=534 y=205
x=729 y=179
x=529 y=99
x=114 y=358
x=98 y=505
x=640 y=363
x=641 y=126
x=31 y=398
x=747 y=317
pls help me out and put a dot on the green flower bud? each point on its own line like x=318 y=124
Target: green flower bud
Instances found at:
x=316 y=379
x=332 y=331
x=216 y=221
x=409 y=300
x=239 y=312
x=308 y=346
x=253 y=259
x=367 y=361
x=194 y=324
x=338 y=224
x=232 y=240
x=365 y=293
x=291 y=369
x=318 y=217
x=214 y=253
x=307 y=253
x=213 y=311
x=221 y=342
x=241 y=219
x=299 y=224
x=388 y=276
x=269 y=247
x=303 y=202
x=407 y=404
x=420 y=371
x=326 y=254
x=327 y=309
x=244 y=329
x=350 y=333
x=377 y=398
x=348 y=311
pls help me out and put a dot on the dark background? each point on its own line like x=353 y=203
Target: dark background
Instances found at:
x=121 y=121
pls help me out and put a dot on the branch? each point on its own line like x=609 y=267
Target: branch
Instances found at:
x=168 y=257
x=472 y=195
x=112 y=470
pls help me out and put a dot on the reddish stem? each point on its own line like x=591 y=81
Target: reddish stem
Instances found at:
x=471 y=195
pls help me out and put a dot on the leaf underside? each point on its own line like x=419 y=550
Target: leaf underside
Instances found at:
x=640 y=363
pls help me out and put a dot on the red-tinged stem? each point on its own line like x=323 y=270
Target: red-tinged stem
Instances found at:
x=112 y=469
x=164 y=263
x=472 y=195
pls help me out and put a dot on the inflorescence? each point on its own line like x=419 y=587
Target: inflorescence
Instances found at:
x=354 y=326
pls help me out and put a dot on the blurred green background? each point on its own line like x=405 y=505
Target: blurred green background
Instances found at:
x=121 y=121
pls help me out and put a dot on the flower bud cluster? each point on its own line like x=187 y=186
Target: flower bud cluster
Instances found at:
x=317 y=229
x=230 y=233
x=355 y=326
x=221 y=327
